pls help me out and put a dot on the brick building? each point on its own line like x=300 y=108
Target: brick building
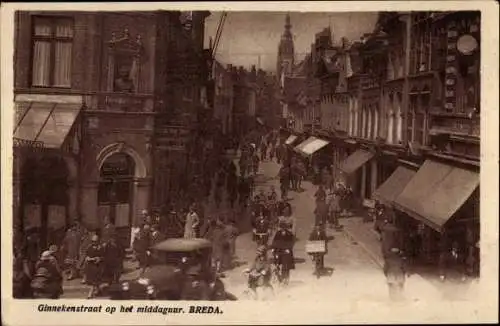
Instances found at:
x=104 y=101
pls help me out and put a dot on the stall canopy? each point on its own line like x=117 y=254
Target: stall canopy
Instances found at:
x=290 y=139
x=355 y=161
x=46 y=123
x=311 y=145
x=436 y=192
x=394 y=185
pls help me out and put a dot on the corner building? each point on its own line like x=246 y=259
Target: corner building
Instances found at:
x=99 y=110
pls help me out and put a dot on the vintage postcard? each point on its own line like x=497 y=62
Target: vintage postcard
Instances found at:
x=249 y=163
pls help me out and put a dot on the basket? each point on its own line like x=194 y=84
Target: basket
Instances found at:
x=317 y=246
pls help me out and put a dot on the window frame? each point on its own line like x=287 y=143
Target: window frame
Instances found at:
x=53 y=39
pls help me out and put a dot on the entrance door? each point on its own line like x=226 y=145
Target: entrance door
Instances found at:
x=115 y=193
x=44 y=197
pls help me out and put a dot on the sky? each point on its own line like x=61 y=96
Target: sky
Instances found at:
x=246 y=36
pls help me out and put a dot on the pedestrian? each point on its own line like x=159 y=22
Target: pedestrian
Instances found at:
x=220 y=245
x=93 y=270
x=113 y=256
x=232 y=188
x=390 y=237
x=108 y=231
x=321 y=212
x=255 y=163
x=156 y=235
x=334 y=210
x=395 y=273
x=143 y=245
x=287 y=219
x=47 y=279
x=263 y=150
x=284 y=176
x=327 y=179
x=32 y=249
x=278 y=153
x=71 y=248
x=232 y=233
x=21 y=278
x=86 y=240
x=192 y=223
x=320 y=194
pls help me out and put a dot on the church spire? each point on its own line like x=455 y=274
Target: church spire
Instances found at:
x=286 y=48
x=288 y=26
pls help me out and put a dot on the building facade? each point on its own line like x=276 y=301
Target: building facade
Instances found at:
x=99 y=111
x=413 y=126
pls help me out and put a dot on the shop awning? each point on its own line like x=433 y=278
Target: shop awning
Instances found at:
x=290 y=139
x=394 y=185
x=355 y=161
x=311 y=145
x=436 y=192
x=44 y=123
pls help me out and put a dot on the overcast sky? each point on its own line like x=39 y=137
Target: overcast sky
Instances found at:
x=248 y=35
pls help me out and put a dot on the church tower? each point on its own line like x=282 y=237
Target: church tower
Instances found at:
x=285 y=51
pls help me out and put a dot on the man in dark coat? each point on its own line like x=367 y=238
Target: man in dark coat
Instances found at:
x=113 y=255
x=321 y=212
x=141 y=245
x=284 y=176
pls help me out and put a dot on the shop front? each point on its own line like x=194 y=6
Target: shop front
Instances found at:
x=357 y=172
x=46 y=146
x=318 y=155
x=439 y=207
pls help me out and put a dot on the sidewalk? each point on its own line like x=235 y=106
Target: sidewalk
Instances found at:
x=420 y=281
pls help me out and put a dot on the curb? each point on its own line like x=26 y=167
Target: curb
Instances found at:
x=374 y=257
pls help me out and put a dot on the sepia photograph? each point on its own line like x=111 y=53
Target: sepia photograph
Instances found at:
x=246 y=156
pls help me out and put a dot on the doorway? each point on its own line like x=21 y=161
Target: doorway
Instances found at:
x=115 y=193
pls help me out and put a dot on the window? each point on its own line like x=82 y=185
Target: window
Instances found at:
x=417 y=116
x=398 y=134
x=421 y=44
x=52 y=52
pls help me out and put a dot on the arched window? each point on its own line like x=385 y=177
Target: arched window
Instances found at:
x=357 y=118
x=398 y=116
x=369 y=122
x=390 y=119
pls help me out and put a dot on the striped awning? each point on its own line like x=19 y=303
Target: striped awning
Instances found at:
x=44 y=123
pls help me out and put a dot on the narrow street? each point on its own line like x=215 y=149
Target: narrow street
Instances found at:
x=350 y=265
x=355 y=274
